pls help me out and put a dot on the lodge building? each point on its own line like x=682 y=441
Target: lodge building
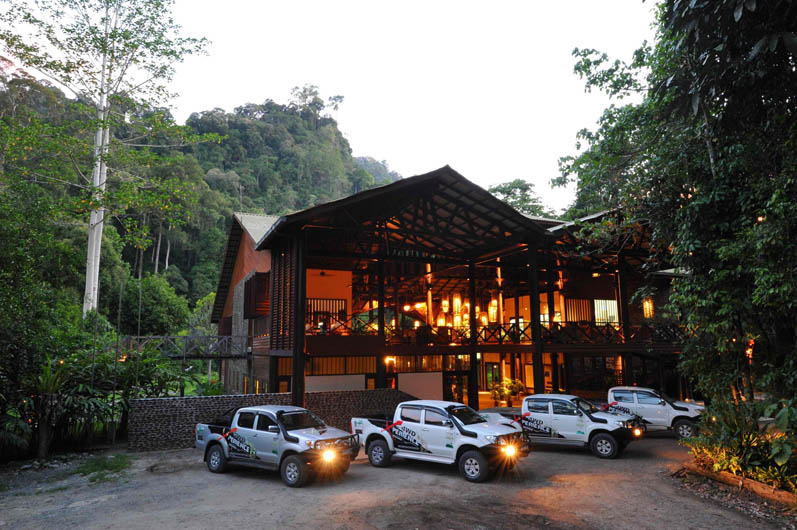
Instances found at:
x=433 y=286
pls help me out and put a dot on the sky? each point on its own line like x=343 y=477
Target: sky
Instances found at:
x=485 y=87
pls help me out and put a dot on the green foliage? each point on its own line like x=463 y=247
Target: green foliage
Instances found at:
x=163 y=312
x=382 y=174
x=520 y=195
x=708 y=159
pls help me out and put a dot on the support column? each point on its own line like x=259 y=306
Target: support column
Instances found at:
x=628 y=369
x=473 y=373
x=660 y=370
x=549 y=283
x=300 y=299
x=273 y=373
x=534 y=314
x=622 y=295
x=381 y=375
x=555 y=372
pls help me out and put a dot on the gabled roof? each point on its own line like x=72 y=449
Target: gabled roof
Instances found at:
x=256 y=225
x=438 y=213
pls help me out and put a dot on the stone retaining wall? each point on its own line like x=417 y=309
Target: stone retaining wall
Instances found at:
x=168 y=423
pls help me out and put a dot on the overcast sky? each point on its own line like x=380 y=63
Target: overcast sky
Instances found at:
x=486 y=87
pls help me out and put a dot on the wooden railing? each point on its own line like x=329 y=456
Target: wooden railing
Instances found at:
x=554 y=333
x=191 y=346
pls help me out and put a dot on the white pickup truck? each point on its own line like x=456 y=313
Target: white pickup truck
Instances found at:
x=560 y=419
x=443 y=432
x=292 y=440
x=658 y=411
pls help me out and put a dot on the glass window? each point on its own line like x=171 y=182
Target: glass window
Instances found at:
x=300 y=419
x=623 y=396
x=647 y=398
x=434 y=418
x=246 y=420
x=564 y=408
x=411 y=414
x=263 y=422
x=466 y=415
x=537 y=406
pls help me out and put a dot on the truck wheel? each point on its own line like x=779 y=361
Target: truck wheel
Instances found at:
x=604 y=446
x=685 y=429
x=294 y=471
x=473 y=466
x=217 y=462
x=344 y=465
x=379 y=453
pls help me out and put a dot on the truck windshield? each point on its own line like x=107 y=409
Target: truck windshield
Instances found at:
x=466 y=415
x=302 y=419
x=585 y=405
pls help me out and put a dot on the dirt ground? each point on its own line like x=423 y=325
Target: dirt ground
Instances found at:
x=563 y=488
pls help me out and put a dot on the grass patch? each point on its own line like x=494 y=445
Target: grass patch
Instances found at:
x=100 y=468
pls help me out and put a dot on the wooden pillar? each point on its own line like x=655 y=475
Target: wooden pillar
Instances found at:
x=549 y=283
x=622 y=295
x=660 y=371
x=381 y=375
x=628 y=368
x=273 y=373
x=300 y=299
x=555 y=372
x=566 y=363
x=473 y=374
x=534 y=314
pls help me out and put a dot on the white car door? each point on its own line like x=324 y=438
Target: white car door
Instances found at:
x=624 y=402
x=266 y=439
x=538 y=423
x=407 y=436
x=566 y=420
x=652 y=408
x=438 y=433
x=240 y=438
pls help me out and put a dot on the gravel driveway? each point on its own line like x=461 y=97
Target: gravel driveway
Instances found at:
x=563 y=488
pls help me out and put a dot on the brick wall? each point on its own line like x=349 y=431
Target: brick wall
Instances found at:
x=168 y=423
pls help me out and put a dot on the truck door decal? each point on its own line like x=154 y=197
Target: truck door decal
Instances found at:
x=407 y=439
x=239 y=445
x=537 y=428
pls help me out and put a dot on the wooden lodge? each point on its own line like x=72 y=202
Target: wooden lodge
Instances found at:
x=433 y=286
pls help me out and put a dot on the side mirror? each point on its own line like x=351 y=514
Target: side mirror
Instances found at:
x=447 y=423
x=579 y=413
x=274 y=428
x=661 y=402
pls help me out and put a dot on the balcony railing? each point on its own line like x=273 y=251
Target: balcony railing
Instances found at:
x=190 y=346
x=555 y=333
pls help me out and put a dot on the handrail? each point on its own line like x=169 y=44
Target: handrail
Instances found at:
x=190 y=346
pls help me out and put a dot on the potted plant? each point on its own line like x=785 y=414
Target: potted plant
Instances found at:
x=512 y=387
x=498 y=392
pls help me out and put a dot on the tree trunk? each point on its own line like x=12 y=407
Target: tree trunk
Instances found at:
x=158 y=248
x=168 y=250
x=98 y=177
x=45 y=435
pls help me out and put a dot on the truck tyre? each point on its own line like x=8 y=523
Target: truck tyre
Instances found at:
x=294 y=471
x=474 y=466
x=604 y=445
x=684 y=429
x=379 y=453
x=344 y=465
x=217 y=462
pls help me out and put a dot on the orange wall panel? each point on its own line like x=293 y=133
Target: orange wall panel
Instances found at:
x=247 y=260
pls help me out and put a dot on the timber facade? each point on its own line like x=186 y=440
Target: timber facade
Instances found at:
x=432 y=286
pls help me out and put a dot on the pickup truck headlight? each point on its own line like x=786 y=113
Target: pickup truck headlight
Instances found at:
x=490 y=438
